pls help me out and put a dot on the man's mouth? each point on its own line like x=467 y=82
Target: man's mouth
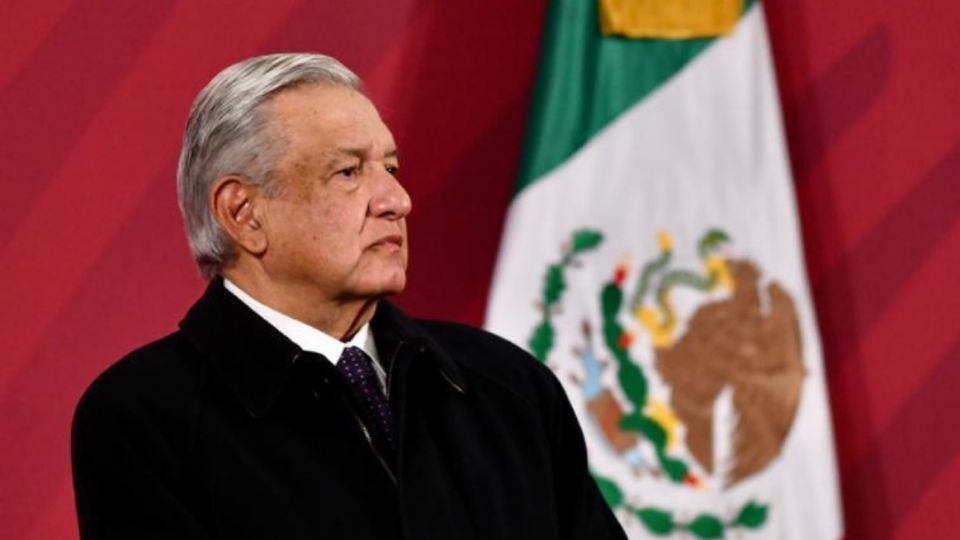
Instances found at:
x=393 y=241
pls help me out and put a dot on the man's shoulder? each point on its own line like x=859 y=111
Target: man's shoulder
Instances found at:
x=147 y=404
x=492 y=357
x=163 y=371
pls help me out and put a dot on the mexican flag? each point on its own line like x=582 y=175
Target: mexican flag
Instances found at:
x=652 y=259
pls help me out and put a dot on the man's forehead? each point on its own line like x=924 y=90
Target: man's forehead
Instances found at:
x=353 y=139
x=333 y=105
x=343 y=119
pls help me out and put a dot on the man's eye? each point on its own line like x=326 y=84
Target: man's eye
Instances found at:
x=393 y=169
x=348 y=172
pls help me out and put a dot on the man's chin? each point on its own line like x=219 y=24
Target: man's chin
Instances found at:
x=376 y=282
x=395 y=288
x=389 y=287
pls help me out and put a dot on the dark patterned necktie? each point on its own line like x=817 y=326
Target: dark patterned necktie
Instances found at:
x=357 y=367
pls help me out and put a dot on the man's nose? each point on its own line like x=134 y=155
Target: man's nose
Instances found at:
x=390 y=199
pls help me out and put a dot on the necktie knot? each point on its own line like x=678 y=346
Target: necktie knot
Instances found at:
x=357 y=366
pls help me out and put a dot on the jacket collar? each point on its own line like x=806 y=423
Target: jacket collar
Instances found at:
x=257 y=361
x=392 y=329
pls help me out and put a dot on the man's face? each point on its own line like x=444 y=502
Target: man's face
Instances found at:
x=337 y=225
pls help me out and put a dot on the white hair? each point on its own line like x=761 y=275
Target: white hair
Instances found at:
x=228 y=134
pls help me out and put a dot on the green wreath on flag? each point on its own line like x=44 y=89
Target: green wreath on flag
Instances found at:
x=660 y=321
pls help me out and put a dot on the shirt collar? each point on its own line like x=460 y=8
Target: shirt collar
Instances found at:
x=306 y=336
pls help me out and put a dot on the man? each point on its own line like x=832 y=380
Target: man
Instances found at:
x=293 y=402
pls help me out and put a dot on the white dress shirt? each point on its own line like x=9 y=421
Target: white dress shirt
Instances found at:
x=308 y=337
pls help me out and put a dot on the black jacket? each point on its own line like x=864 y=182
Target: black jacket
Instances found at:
x=226 y=429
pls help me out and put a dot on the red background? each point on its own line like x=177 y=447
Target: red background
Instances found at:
x=93 y=97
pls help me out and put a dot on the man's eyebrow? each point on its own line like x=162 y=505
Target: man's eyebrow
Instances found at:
x=360 y=152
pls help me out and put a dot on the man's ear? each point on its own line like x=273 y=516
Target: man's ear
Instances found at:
x=233 y=201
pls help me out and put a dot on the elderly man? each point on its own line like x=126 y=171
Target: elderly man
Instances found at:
x=293 y=402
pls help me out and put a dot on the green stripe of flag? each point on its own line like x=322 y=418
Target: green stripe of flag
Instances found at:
x=585 y=80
